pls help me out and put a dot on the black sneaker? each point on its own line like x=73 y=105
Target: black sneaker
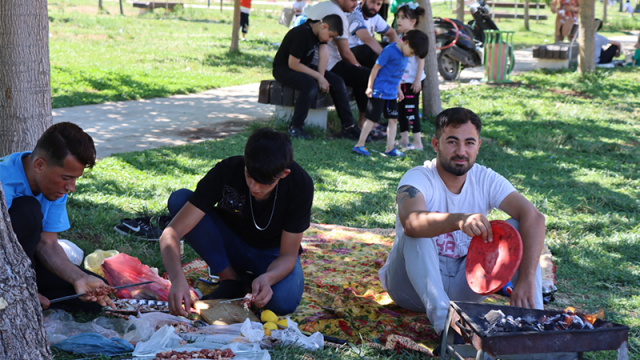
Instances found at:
x=298 y=132
x=138 y=227
x=352 y=133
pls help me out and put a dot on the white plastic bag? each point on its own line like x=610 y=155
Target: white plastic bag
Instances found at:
x=143 y=327
x=165 y=339
x=74 y=253
x=253 y=331
x=292 y=335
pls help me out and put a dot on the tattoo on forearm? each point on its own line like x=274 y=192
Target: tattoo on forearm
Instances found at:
x=406 y=192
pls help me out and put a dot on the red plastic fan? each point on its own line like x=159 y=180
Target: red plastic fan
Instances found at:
x=490 y=266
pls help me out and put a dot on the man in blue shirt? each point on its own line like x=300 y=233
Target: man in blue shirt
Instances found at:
x=35 y=185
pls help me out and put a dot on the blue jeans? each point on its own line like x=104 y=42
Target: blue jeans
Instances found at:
x=219 y=247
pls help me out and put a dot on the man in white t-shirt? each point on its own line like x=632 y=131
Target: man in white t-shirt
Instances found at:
x=441 y=206
x=364 y=23
x=341 y=60
x=603 y=56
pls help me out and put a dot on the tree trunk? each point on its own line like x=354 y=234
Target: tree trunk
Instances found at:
x=25 y=91
x=236 y=27
x=22 y=331
x=121 y=11
x=604 y=11
x=100 y=5
x=459 y=10
x=586 y=39
x=431 y=102
x=526 y=14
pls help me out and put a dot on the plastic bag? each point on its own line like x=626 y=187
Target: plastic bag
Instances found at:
x=143 y=327
x=253 y=331
x=93 y=261
x=123 y=269
x=292 y=336
x=60 y=325
x=74 y=253
x=165 y=339
x=94 y=344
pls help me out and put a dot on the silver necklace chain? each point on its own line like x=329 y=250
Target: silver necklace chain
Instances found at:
x=272 y=210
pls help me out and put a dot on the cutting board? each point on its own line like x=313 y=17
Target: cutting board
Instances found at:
x=215 y=313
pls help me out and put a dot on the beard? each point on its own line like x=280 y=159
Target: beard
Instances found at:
x=368 y=12
x=451 y=167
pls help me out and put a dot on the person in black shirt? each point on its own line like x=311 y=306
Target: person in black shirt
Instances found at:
x=245 y=219
x=292 y=66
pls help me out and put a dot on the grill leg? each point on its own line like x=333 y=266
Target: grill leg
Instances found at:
x=444 y=351
x=623 y=351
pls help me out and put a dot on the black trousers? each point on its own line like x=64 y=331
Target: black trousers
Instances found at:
x=355 y=77
x=26 y=220
x=409 y=109
x=307 y=88
x=606 y=56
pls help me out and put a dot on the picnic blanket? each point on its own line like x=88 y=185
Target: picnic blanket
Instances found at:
x=343 y=296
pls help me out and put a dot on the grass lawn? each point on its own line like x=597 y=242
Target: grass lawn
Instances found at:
x=567 y=143
x=100 y=56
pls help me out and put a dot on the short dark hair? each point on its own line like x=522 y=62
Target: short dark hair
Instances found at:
x=267 y=154
x=598 y=24
x=418 y=42
x=410 y=13
x=335 y=23
x=456 y=117
x=64 y=139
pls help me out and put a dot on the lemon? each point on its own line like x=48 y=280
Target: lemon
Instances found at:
x=283 y=323
x=268 y=315
x=268 y=326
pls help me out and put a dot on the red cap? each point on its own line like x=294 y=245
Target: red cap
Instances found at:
x=491 y=265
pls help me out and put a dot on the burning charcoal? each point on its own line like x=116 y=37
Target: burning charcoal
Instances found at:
x=561 y=325
x=549 y=326
x=493 y=316
x=577 y=323
x=527 y=326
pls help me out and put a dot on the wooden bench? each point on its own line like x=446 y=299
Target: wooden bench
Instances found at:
x=273 y=93
x=516 y=14
x=555 y=56
x=150 y=5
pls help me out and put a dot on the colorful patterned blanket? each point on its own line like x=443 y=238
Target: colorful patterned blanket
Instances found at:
x=343 y=296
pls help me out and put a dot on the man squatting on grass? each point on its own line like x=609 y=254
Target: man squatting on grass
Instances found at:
x=441 y=205
x=36 y=187
x=245 y=219
x=292 y=67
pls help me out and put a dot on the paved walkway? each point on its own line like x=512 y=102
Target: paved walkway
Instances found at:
x=181 y=119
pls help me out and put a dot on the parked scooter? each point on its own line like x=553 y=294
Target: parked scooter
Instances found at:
x=460 y=44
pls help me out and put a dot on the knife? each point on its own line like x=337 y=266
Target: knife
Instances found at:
x=79 y=295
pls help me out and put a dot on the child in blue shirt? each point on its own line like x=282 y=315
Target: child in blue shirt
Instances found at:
x=384 y=88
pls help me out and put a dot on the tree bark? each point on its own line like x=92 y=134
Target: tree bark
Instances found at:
x=586 y=39
x=22 y=334
x=459 y=10
x=431 y=102
x=25 y=90
x=100 y=5
x=526 y=14
x=121 y=10
x=236 y=27
x=604 y=10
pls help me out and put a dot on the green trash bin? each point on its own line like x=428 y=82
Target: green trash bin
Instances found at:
x=498 y=56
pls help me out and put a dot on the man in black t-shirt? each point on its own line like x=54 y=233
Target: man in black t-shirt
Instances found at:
x=292 y=67
x=245 y=219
